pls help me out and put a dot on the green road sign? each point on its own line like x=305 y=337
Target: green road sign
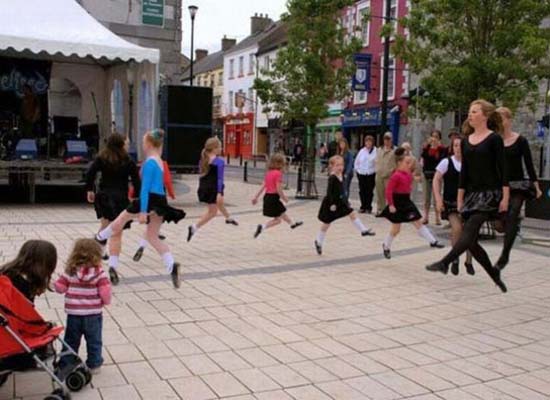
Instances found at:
x=153 y=12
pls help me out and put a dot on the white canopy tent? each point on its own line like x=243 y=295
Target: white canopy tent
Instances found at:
x=85 y=53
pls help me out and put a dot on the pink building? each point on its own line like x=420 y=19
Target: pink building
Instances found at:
x=362 y=114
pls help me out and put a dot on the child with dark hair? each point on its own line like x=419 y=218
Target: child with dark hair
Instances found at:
x=400 y=208
x=274 y=193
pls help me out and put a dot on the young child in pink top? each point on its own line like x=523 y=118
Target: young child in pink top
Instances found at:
x=274 y=193
x=87 y=289
x=400 y=207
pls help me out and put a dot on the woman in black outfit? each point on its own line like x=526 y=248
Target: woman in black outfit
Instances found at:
x=483 y=190
x=116 y=168
x=516 y=154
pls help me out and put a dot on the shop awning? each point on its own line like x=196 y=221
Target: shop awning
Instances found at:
x=63 y=27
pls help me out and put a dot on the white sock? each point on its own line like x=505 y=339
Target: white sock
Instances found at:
x=426 y=234
x=264 y=227
x=143 y=243
x=359 y=225
x=105 y=233
x=194 y=227
x=168 y=261
x=388 y=241
x=113 y=262
x=321 y=237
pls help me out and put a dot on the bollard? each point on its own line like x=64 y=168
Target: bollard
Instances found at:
x=241 y=160
x=245 y=171
x=299 y=183
x=254 y=162
x=228 y=159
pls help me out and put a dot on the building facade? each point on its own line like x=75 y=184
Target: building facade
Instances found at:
x=148 y=23
x=362 y=113
x=239 y=98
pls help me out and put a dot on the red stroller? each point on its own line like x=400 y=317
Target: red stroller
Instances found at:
x=24 y=332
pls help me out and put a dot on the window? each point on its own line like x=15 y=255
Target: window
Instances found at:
x=231 y=69
x=117 y=108
x=212 y=80
x=393 y=13
x=251 y=64
x=241 y=66
x=267 y=63
x=230 y=101
x=250 y=99
x=216 y=101
x=360 y=98
x=391 y=78
x=364 y=23
x=220 y=79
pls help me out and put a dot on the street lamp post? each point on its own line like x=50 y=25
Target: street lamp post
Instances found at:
x=130 y=76
x=192 y=12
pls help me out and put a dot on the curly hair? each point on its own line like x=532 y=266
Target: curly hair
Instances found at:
x=86 y=253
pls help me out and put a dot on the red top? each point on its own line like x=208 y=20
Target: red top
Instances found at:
x=168 y=184
x=400 y=182
x=272 y=178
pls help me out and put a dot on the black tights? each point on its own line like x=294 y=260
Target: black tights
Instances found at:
x=469 y=241
x=512 y=227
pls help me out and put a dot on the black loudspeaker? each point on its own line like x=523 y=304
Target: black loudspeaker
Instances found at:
x=187 y=119
x=90 y=134
x=65 y=126
x=184 y=145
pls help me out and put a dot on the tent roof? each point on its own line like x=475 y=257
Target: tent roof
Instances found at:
x=63 y=27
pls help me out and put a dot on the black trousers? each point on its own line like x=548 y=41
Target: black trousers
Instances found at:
x=512 y=226
x=469 y=241
x=366 y=190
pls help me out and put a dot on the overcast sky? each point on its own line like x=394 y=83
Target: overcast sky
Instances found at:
x=216 y=18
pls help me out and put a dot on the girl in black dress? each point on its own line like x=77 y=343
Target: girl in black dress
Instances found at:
x=447 y=173
x=335 y=204
x=516 y=154
x=111 y=198
x=483 y=190
x=211 y=186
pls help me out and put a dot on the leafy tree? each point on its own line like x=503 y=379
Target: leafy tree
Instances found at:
x=313 y=69
x=468 y=49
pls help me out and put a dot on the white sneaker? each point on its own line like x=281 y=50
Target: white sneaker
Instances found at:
x=95 y=371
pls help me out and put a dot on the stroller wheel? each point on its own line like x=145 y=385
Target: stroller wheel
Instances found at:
x=87 y=374
x=58 y=394
x=76 y=381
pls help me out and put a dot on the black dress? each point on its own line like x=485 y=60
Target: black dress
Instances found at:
x=483 y=175
x=335 y=197
x=516 y=156
x=406 y=210
x=159 y=205
x=273 y=206
x=208 y=184
x=451 y=181
x=112 y=195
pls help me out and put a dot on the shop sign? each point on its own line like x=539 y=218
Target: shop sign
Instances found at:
x=153 y=12
x=361 y=117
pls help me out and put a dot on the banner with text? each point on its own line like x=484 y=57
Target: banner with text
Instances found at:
x=361 y=79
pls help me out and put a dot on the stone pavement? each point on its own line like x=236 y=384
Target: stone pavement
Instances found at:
x=268 y=319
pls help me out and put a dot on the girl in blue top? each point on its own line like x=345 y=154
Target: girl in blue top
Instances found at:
x=152 y=207
x=211 y=186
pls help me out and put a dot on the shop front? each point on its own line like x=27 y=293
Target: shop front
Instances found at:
x=327 y=127
x=238 y=135
x=360 y=122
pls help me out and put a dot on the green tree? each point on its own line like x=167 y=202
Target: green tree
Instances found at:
x=468 y=49
x=313 y=69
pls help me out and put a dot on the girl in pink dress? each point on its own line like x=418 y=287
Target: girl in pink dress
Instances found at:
x=274 y=196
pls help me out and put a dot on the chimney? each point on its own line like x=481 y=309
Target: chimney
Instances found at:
x=200 y=54
x=228 y=43
x=259 y=23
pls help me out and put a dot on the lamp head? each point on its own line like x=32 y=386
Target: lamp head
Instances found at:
x=193 y=11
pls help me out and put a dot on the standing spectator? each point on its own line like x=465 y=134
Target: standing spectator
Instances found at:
x=298 y=153
x=333 y=146
x=323 y=157
x=385 y=165
x=345 y=153
x=366 y=174
x=432 y=154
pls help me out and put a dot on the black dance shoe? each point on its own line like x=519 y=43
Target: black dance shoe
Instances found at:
x=501 y=263
x=387 y=252
x=470 y=268
x=162 y=237
x=454 y=267
x=259 y=230
x=100 y=241
x=362 y=211
x=368 y=232
x=437 y=245
x=318 y=248
x=139 y=254
x=231 y=221
x=190 y=233
x=296 y=224
x=113 y=276
x=105 y=257
x=496 y=278
x=438 y=267
x=175 y=275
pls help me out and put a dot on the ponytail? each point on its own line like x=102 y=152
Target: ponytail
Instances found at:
x=494 y=119
x=209 y=147
x=205 y=163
